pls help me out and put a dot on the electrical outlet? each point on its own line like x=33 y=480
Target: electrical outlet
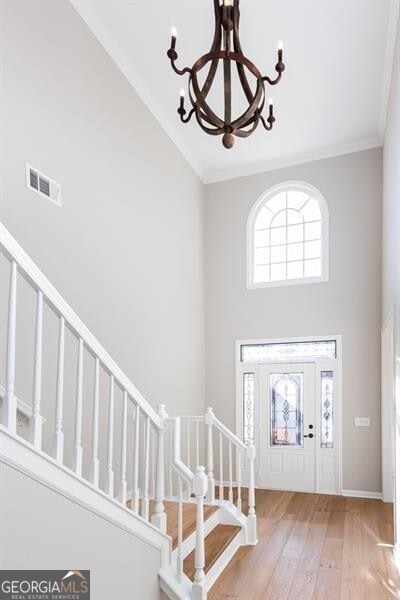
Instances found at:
x=362 y=421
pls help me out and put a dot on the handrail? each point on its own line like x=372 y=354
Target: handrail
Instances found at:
x=218 y=425
x=229 y=434
x=39 y=281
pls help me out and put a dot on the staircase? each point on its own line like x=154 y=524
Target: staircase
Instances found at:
x=184 y=483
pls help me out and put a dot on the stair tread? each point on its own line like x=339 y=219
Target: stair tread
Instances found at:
x=215 y=544
x=189 y=517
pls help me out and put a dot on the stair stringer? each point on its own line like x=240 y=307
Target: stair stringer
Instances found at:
x=22 y=456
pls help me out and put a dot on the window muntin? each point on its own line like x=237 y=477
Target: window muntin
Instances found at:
x=288 y=351
x=287 y=236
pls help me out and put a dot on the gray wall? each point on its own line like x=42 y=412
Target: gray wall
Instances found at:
x=61 y=534
x=348 y=304
x=126 y=249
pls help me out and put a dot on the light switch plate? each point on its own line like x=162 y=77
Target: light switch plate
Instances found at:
x=362 y=421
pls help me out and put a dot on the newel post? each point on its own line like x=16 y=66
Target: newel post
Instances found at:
x=159 y=517
x=209 y=417
x=251 y=517
x=200 y=483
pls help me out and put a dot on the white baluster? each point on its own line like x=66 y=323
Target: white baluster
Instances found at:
x=200 y=483
x=170 y=482
x=35 y=423
x=145 y=501
x=153 y=463
x=110 y=441
x=197 y=445
x=251 y=518
x=179 y=557
x=58 y=444
x=10 y=402
x=210 y=458
x=122 y=484
x=230 y=494
x=78 y=412
x=221 y=469
x=159 y=518
x=188 y=457
x=239 y=478
x=94 y=466
x=135 y=481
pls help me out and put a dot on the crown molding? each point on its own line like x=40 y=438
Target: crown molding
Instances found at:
x=115 y=52
x=294 y=159
x=393 y=24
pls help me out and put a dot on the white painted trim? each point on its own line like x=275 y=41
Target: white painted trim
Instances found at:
x=242 y=367
x=23 y=407
x=393 y=23
x=22 y=456
x=388 y=405
x=362 y=494
x=37 y=280
x=292 y=160
x=126 y=67
x=313 y=192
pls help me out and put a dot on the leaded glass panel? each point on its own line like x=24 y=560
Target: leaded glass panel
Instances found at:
x=248 y=407
x=286 y=409
x=318 y=349
x=327 y=409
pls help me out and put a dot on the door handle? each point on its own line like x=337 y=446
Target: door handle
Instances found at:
x=310 y=435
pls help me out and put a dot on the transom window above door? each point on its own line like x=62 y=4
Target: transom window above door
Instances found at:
x=287 y=237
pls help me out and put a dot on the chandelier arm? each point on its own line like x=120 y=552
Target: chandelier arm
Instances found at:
x=273 y=81
x=270 y=123
x=179 y=71
x=187 y=119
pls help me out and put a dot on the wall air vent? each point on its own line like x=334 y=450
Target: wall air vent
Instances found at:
x=43 y=185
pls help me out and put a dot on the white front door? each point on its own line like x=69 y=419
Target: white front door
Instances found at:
x=287 y=433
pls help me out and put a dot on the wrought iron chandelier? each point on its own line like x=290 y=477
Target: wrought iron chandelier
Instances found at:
x=226 y=47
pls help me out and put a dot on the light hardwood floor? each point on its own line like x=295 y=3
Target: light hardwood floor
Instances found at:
x=315 y=547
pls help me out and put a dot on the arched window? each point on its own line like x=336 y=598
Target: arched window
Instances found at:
x=287 y=237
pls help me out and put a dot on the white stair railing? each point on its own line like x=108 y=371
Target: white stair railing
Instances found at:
x=21 y=266
x=142 y=458
x=226 y=453
x=197 y=483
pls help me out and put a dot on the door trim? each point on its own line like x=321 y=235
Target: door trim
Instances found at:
x=241 y=368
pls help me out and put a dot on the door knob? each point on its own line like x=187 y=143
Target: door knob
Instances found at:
x=310 y=435
x=311 y=427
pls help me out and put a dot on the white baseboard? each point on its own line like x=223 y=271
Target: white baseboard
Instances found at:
x=362 y=494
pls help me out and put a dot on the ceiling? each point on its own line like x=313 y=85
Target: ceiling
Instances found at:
x=332 y=97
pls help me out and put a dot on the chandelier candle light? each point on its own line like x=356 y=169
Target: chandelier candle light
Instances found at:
x=226 y=47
